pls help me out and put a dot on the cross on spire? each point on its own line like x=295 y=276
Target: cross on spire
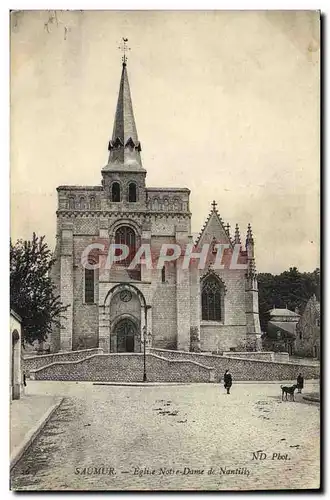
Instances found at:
x=214 y=205
x=124 y=48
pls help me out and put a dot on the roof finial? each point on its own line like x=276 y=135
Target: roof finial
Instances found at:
x=249 y=236
x=214 y=205
x=123 y=47
x=237 y=235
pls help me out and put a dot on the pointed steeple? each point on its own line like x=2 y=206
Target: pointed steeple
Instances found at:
x=124 y=146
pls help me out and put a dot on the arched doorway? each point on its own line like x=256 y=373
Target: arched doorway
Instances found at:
x=125 y=332
x=124 y=302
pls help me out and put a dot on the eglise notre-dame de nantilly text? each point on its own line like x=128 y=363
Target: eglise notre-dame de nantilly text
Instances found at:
x=213 y=309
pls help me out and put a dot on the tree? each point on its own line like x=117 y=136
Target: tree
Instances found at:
x=291 y=289
x=32 y=292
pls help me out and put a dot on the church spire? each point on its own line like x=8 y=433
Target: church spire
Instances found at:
x=124 y=146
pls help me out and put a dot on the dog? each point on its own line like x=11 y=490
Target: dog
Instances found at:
x=288 y=390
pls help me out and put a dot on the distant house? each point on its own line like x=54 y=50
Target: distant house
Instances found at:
x=16 y=386
x=281 y=330
x=307 y=341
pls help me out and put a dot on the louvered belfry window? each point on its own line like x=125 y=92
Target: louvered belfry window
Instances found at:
x=115 y=192
x=126 y=236
x=211 y=299
x=132 y=192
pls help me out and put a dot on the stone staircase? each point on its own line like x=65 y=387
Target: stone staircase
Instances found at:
x=161 y=366
x=124 y=367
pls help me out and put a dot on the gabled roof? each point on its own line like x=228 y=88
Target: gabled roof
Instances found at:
x=15 y=315
x=214 y=228
x=312 y=304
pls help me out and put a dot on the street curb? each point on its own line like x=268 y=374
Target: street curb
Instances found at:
x=32 y=434
x=143 y=384
x=236 y=382
x=313 y=400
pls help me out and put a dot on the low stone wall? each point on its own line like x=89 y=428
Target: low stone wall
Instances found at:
x=245 y=369
x=259 y=355
x=125 y=368
x=34 y=362
x=282 y=357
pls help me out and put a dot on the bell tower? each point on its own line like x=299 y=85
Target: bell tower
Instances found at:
x=124 y=176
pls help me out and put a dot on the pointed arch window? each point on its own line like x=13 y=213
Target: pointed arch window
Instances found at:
x=125 y=235
x=212 y=299
x=115 y=192
x=132 y=195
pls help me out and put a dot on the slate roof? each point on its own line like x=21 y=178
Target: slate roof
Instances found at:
x=124 y=146
x=288 y=327
x=283 y=312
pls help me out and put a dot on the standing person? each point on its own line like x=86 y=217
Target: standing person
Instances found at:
x=228 y=381
x=300 y=383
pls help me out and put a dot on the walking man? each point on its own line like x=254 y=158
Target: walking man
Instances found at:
x=228 y=381
x=300 y=383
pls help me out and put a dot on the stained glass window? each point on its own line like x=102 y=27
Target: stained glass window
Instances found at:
x=212 y=292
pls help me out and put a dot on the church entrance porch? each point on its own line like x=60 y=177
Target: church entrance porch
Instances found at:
x=123 y=317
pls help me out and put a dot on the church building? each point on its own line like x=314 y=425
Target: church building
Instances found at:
x=207 y=308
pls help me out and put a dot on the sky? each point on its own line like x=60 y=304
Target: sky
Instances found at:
x=226 y=103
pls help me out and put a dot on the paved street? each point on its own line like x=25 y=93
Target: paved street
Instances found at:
x=113 y=438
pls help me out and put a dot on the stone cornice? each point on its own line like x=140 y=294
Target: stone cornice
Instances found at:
x=168 y=189
x=79 y=188
x=109 y=213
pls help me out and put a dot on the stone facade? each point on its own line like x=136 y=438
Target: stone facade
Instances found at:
x=114 y=308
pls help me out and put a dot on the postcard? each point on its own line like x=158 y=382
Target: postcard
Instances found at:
x=165 y=250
